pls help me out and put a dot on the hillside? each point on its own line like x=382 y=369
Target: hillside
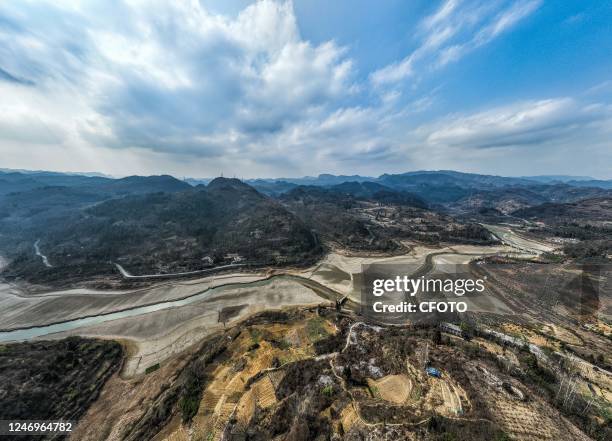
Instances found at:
x=594 y=209
x=12 y=182
x=369 y=216
x=583 y=226
x=54 y=380
x=225 y=222
x=459 y=191
x=160 y=225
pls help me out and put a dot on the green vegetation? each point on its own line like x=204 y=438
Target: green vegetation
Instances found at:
x=179 y=231
x=540 y=375
x=152 y=368
x=284 y=344
x=374 y=391
x=588 y=250
x=191 y=393
x=338 y=215
x=442 y=429
x=256 y=335
x=553 y=258
x=315 y=328
x=54 y=380
x=328 y=390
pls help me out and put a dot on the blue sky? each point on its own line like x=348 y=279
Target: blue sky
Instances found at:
x=279 y=88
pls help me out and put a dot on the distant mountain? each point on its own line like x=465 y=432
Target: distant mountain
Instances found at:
x=594 y=183
x=459 y=192
x=321 y=180
x=159 y=224
x=17 y=182
x=194 y=182
x=428 y=182
x=160 y=233
x=557 y=178
x=379 y=193
x=410 y=179
x=433 y=186
x=568 y=193
x=337 y=217
x=143 y=184
x=446 y=186
x=349 y=193
x=507 y=200
x=504 y=201
x=33 y=205
x=271 y=188
x=595 y=209
x=44 y=203
x=367 y=216
x=584 y=225
x=449 y=177
x=361 y=189
x=456 y=189
x=50 y=173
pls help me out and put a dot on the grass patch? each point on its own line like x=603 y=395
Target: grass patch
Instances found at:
x=553 y=258
x=284 y=344
x=315 y=328
x=328 y=390
x=286 y=358
x=256 y=335
x=374 y=391
x=152 y=368
x=191 y=393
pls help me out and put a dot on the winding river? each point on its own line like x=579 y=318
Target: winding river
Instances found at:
x=68 y=325
x=320 y=289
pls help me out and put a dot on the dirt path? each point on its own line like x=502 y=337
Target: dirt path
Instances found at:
x=44 y=258
x=127 y=275
x=509 y=237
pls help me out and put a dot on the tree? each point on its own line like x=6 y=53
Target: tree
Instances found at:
x=436 y=338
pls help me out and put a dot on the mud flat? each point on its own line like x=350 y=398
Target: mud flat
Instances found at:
x=344 y=273
x=158 y=335
x=166 y=318
x=20 y=310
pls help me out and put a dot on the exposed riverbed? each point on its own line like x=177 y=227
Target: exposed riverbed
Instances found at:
x=169 y=316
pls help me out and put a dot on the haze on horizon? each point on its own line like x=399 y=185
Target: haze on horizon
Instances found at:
x=287 y=89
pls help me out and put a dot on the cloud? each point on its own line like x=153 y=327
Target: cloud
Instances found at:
x=454 y=30
x=500 y=24
x=172 y=87
x=172 y=77
x=6 y=76
x=523 y=124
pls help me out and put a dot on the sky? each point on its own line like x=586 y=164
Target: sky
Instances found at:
x=284 y=89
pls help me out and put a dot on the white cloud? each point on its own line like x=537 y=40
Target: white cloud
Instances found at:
x=454 y=30
x=156 y=86
x=500 y=24
x=521 y=124
x=169 y=77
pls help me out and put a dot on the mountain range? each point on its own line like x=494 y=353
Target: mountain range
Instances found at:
x=160 y=224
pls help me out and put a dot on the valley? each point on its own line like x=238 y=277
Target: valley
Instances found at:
x=252 y=326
